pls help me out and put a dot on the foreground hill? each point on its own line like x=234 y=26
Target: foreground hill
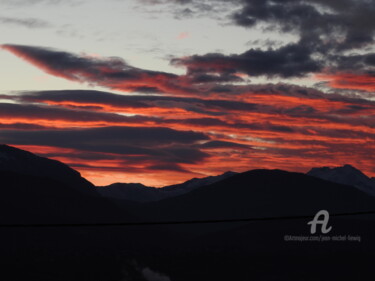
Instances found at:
x=261 y=193
x=37 y=190
x=23 y=162
x=29 y=199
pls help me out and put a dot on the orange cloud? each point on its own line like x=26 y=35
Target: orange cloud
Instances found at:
x=350 y=81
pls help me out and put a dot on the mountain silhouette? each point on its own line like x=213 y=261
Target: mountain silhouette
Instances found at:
x=261 y=193
x=131 y=191
x=140 y=193
x=39 y=190
x=346 y=174
x=23 y=162
x=197 y=182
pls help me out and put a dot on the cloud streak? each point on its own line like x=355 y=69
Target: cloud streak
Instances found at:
x=112 y=72
x=124 y=134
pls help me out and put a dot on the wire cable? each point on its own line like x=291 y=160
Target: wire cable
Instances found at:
x=179 y=222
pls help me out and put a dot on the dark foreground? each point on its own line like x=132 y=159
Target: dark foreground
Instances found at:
x=237 y=251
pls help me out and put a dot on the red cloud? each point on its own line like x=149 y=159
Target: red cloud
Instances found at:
x=350 y=81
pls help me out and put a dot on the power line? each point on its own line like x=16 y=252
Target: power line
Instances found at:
x=178 y=222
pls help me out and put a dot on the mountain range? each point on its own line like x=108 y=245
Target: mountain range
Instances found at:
x=141 y=193
x=39 y=189
x=346 y=175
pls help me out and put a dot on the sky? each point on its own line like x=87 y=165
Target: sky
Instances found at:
x=161 y=91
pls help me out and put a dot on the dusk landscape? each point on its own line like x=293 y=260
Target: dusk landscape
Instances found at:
x=167 y=140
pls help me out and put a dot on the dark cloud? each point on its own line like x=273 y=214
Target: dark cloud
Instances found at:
x=110 y=72
x=325 y=28
x=85 y=97
x=167 y=167
x=21 y=126
x=206 y=74
x=223 y=144
x=115 y=73
x=157 y=136
x=40 y=112
x=143 y=145
x=336 y=24
x=98 y=98
x=357 y=62
x=201 y=77
x=293 y=60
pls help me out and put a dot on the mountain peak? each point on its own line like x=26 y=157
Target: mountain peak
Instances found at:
x=346 y=174
x=349 y=167
x=345 y=169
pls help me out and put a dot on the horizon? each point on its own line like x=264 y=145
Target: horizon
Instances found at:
x=229 y=171
x=168 y=90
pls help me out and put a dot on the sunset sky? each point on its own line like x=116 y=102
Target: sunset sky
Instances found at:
x=160 y=91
